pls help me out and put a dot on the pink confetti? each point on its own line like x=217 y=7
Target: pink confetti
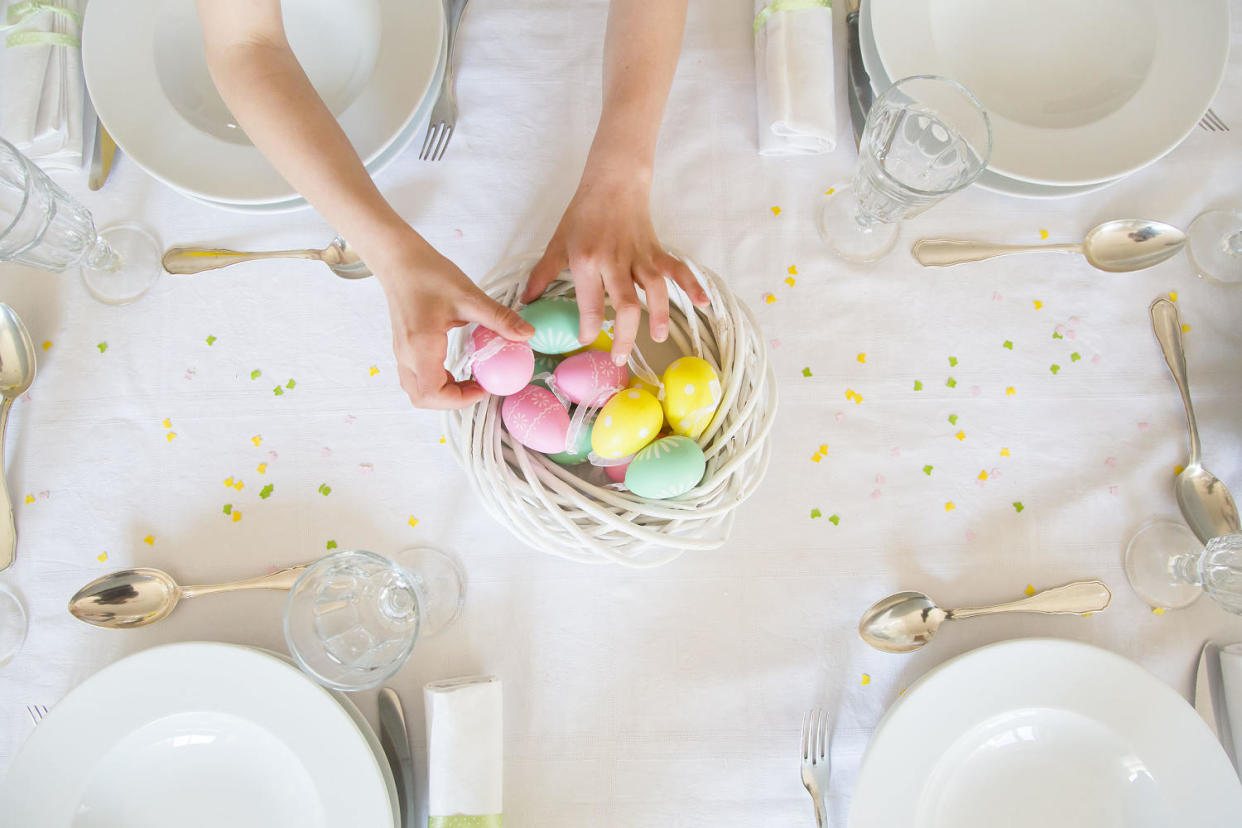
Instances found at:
x=366 y=468
x=1059 y=329
x=970 y=535
x=879 y=478
x=1144 y=426
x=349 y=419
x=896 y=451
x=975 y=390
x=1111 y=462
x=996 y=297
x=45 y=494
x=26 y=397
x=875 y=493
x=840 y=418
x=189 y=373
x=1112 y=490
x=272 y=455
x=325 y=452
x=994 y=472
x=1070 y=335
x=1095 y=358
x=457 y=232
x=1073 y=320
x=775 y=343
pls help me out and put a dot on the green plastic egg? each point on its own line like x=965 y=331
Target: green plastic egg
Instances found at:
x=565 y=458
x=669 y=467
x=544 y=365
x=556 y=324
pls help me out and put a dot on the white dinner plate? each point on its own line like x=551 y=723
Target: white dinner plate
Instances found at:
x=1078 y=92
x=990 y=179
x=1042 y=732
x=195 y=735
x=372 y=61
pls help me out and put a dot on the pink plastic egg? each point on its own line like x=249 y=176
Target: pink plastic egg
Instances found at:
x=616 y=473
x=536 y=419
x=504 y=371
x=587 y=376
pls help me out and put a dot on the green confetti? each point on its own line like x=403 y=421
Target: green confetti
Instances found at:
x=952 y=383
x=918 y=385
x=266 y=491
x=927 y=470
x=1074 y=357
x=290 y=384
x=834 y=520
x=952 y=362
x=325 y=489
x=1056 y=335
x=1054 y=368
x=953 y=419
x=1017 y=505
x=816 y=513
x=806 y=372
x=228 y=509
x=211 y=340
x=278 y=391
x=102 y=346
x=330 y=545
x=1008 y=344
x=255 y=374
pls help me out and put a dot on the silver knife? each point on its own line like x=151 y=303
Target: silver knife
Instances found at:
x=396 y=743
x=858 y=89
x=1210 y=699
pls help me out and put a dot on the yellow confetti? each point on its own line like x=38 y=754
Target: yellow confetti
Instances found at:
x=149 y=540
x=1087 y=614
x=374 y=370
x=1009 y=392
x=793 y=270
x=823 y=449
x=776 y=211
x=102 y=557
x=1038 y=304
x=261 y=468
x=172 y=435
x=1004 y=452
x=851 y=394
x=238 y=485
x=961 y=435
x=413 y=521
x=29 y=499
x=167 y=423
x=1178 y=470
x=983 y=475
x=862 y=358
x=791 y=281
x=1173 y=296
x=769 y=298
x=816 y=457
x=228 y=482
x=47 y=344
x=949 y=507
x=866 y=679
x=1043 y=234
x=1157 y=610
x=830 y=191
x=1185 y=328
x=442 y=440
x=236 y=515
x=901 y=692
x=1030 y=589
x=256 y=439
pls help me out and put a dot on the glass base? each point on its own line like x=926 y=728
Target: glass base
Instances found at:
x=846 y=236
x=139 y=269
x=13 y=625
x=441 y=583
x=1214 y=244
x=1149 y=564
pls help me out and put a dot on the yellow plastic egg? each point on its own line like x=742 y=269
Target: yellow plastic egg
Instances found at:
x=629 y=421
x=639 y=382
x=603 y=342
x=691 y=395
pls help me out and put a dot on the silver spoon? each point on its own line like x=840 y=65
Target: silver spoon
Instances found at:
x=17 y=372
x=1115 y=246
x=339 y=256
x=904 y=622
x=137 y=597
x=1206 y=504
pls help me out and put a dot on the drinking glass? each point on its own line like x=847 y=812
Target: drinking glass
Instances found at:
x=1214 y=244
x=43 y=226
x=925 y=138
x=353 y=617
x=1168 y=567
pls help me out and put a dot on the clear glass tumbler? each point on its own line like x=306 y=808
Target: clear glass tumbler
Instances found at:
x=353 y=617
x=43 y=226
x=1214 y=243
x=926 y=137
x=1169 y=568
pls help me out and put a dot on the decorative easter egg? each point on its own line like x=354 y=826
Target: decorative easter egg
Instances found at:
x=669 y=467
x=617 y=473
x=639 y=382
x=506 y=366
x=629 y=421
x=586 y=377
x=556 y=324
x=582 y=447
x=691 y=395
x=536 y=419
x=544 y=364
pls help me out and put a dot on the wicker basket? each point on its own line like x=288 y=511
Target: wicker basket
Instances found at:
x=574 y=512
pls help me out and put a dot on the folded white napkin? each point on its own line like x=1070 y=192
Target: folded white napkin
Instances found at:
x=796 y=94
x=1231 y=678
x=43 y=101
x=465 y=752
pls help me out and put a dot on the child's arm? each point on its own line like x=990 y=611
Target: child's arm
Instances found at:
x=269 y=94
x=606 y=238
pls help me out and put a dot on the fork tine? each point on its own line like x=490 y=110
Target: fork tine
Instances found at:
x=823 y=735
x=446 y=135
x=806 y=736
x=429 y=141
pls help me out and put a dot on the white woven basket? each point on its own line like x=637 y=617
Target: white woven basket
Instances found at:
x=573 y=512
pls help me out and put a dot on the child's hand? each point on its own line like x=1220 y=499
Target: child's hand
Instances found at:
x=427 y=297
x=606 y=240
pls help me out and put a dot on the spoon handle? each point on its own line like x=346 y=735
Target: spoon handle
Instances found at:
x=184 y=261
x=948 y=252
x=1166 y=323
x=1075 y=598
x=282 y=579
x=8 y=532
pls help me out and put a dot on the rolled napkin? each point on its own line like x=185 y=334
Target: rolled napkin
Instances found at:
x=1231 y=678
x=794 y=77
x=465 y=752
x=43 y=101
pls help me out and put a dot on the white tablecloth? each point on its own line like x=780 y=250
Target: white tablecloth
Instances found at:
x=671 y=696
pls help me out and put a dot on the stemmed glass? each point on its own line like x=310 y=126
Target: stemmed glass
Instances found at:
x=43 y=226
x=1214 y=244
x=926 y=137
x=1168 y=567
x=353 y=617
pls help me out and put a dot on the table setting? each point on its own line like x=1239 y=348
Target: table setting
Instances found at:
x=905 y=526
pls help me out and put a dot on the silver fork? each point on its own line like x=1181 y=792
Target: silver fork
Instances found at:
x=444 y=113
x=816 y=760
x=36 y=712
x=1212 y=122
